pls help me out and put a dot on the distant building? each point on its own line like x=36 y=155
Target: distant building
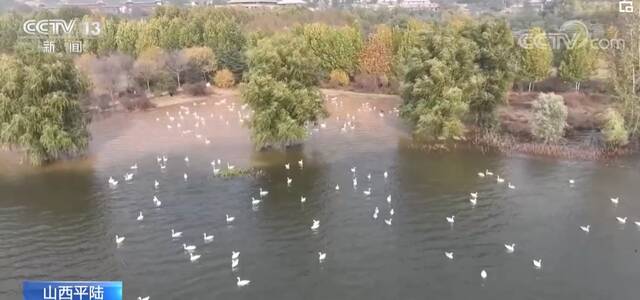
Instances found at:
x=253 y=3
x=294 y=3
x=420 y=5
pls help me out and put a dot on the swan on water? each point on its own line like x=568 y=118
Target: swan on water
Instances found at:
x=510 y=247
x=389 y=199
x=235 y=255
x=449 y=255
x=134 y=166
x=388 y=221
x=480 y=174
x=511 y=186
x=474 y=195
x=488 y=173
x=375 y=213
x=234 y=263
x=156 y=201
x=337 y=187
x=242 y=283
x=301 y=163
x=303 y=199
x=391 y=212
x=321 y=256
x=143 y=298
x=622 y=220
x=185 y=176
x=537 y=263
x=175 y=234
x=186 y=159
x=289 y=180
x=193 y=257
x=188 y=247
x=119 y=239
x=586 y=228
x=451 y=219
x=112 y=181
x=140 y=217
x=156 y=184
x=499 y=179
x=230 y=219
x=483 y=274
x=315 y=225
x=286 y=166
x=255 y=201
x=473 y=201
x=367 y=192
x=615 y=200
x=263 y=192
x=207 y=238
x=385 y=174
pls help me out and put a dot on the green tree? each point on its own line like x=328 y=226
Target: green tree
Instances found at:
x=578 y=60
x=228 y=42
x=536 y=57
x=9 y=24
x=127 y=36
x=614 y=131
x=439 y=79
x=496 y=47
x=337 y=48
x=108 y=41
x=281 y=90
x=41 y=112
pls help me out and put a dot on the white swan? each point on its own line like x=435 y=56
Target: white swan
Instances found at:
x=301 y=164
x=474 y=195
x=473 y=201
x=449 y=255
x=321 y=256
x=156 y=201
x=488 y=172
x=499 y=179
x=586 y=228
x=189 y=247
x=353 y=169
x=242 y=283
x=143 y=298
x=615 y=200
x=263 y=192
x=483 y=274
x=156 y=184
x=391 y=212
x=511 y=186
x=128 y=177
x=255 y=201
x=480 y=174
x=367 y=192
x=112 y=181
x=510 y=247
x=186 y=159
x=315 y=225
x=230 y=219
x=207 y=238
x=234 y=263
x=286 y=166
x=140 y=217
x=303 y=199
x=289 y=180
x=451 y=219
x=175 y=234
x=337 y=187
x=571 y=181
x=389 y=199
x=637 y=223
x=355 y=182
x=185 y=176
x=388 y=222
x=622 y=220
x=369 y=176
x=537 y=263
x=235 y=255
x=119 y=239
x=193 y=257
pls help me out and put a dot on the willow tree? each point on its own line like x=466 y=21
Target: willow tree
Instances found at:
x=41 y=111
x=440 y=78
x=281 y=91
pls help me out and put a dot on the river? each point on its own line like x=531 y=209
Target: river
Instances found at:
x=59 y=222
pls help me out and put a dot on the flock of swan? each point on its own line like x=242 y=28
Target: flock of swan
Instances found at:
x=262 y=194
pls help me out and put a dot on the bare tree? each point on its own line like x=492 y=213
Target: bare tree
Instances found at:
x=177 y=63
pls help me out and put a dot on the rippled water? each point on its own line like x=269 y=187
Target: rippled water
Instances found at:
x=60 y=222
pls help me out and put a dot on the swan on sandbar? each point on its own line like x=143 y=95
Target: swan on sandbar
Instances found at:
x=175 y=234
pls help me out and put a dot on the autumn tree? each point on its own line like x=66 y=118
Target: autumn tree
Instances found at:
x=201 y=59
x=177 y=63
x=150 y=65
x=377 y=55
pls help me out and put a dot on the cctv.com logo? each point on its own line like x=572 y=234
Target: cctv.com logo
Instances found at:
x=567 y=38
